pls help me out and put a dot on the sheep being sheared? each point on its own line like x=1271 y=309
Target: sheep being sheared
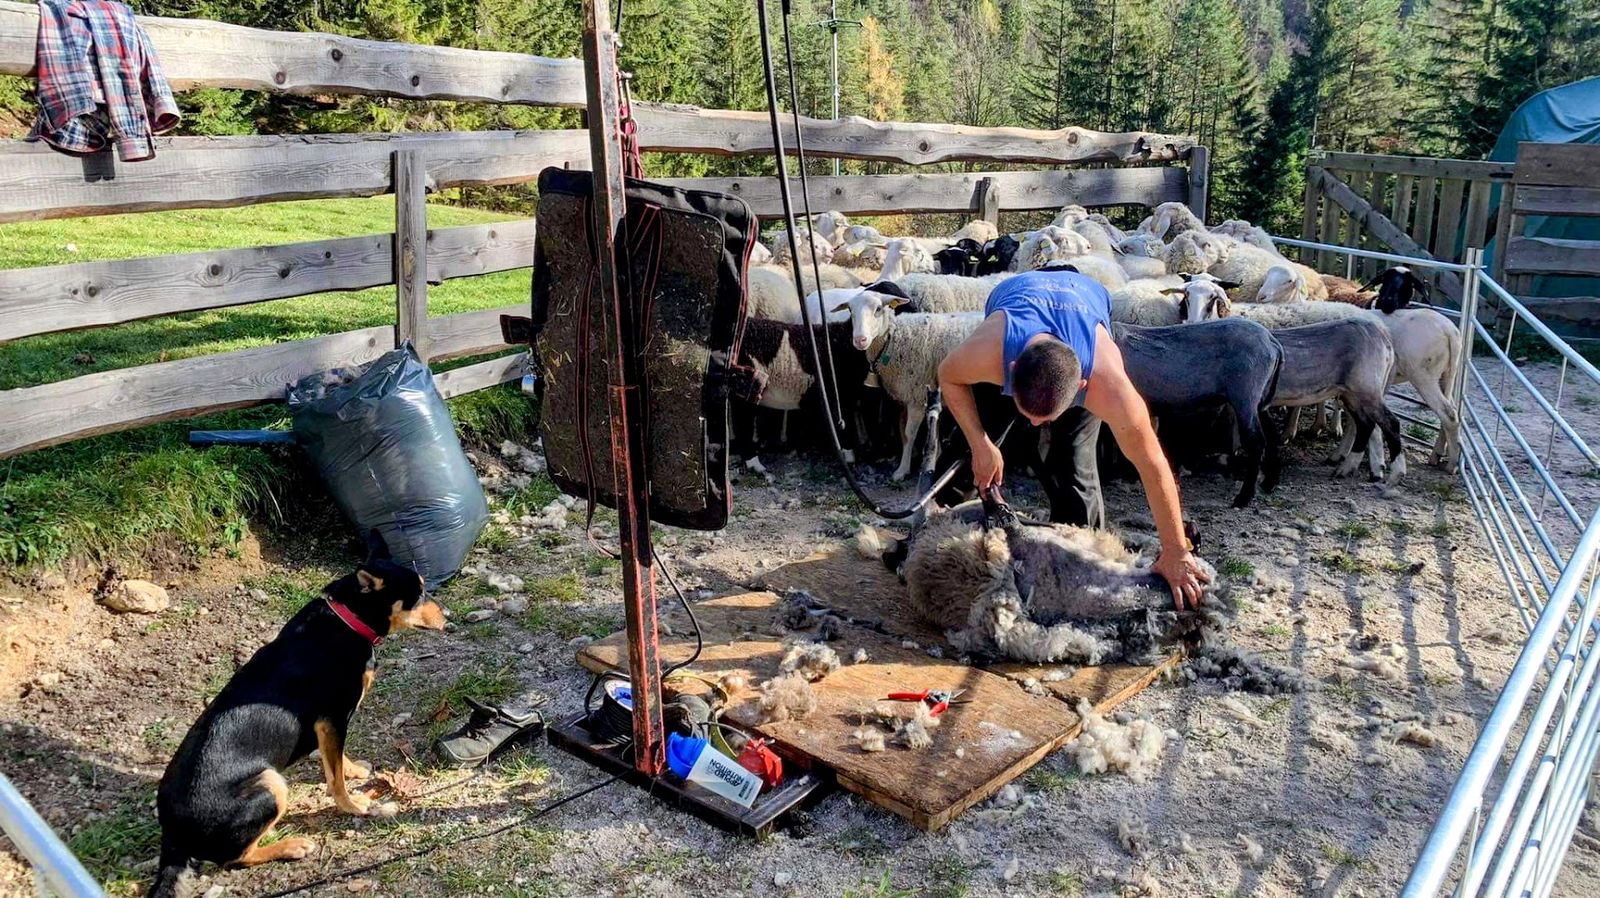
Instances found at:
x=1039 y=592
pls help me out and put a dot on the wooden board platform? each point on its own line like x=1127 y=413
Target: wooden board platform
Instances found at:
x=863 y=588
x=1002 y=731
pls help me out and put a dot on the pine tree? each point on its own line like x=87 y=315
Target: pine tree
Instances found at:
x=1055 y=89
x=1274 y=168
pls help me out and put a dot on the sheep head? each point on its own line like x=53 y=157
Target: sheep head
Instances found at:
x=1193 y=252
x=1148 y=245
x=1070 y=215
x=832 y=226
x=1201 y=298
x=1397 y=286
x=902 y=256
x=1283 y=283
x=870 y=311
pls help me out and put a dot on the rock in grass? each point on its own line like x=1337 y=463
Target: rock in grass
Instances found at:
x=482 y=614
x=137 y=597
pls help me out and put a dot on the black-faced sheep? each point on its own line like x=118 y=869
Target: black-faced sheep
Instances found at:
x=1397 y=286
x=782 y=353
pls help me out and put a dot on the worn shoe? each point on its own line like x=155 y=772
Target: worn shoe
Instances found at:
x=489 y=730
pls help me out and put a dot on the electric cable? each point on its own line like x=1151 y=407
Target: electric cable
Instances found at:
x=770 y=78
x=429 y=849
x=699 y=638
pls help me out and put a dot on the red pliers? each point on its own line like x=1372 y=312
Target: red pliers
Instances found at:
x=938 y=699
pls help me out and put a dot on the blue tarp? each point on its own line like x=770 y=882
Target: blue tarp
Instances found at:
x=1566 y=114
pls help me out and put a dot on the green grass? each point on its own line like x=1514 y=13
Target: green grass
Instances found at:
x=1442 y=528
x=482 y=680
x=1051 y=781
x=1399 y=528
x=1344 y=562
x=1277 y=630
x=1066 y=883
x=122 y=494
x=288 y=592
x=881 y=886
x=1420 y=432
x=1237 y=567
x=111 y=844
x=1354 y=530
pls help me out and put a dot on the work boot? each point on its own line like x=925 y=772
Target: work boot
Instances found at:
x=486 y=732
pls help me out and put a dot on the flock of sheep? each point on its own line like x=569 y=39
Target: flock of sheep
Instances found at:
x=894 y=307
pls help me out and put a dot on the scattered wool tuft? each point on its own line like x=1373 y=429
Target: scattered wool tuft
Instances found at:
x=504 y=582
x=869 y=739
x=754 y=464
x=909 y=644
x=1414 y=733
x=1238 y=669
x=794 y=610
x=1103 y=745
x=1031 y=686
x=830 y=627
x=1384 y=667
x=1375 y=759
x=1057 y=675
x=868 y=543
x=811 y=660
x=1238 y=710
x=859 y=656
x=1013 y=867
x=917 y=732
x=732 y=682
x=1133 y=836
x=1185 y=844
x=1254 y=854
x=787 y=697
x=551 y=517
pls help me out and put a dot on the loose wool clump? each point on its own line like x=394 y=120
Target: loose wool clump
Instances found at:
x=1130 y=748
x=1384 y=667
x=917 y=733
x=811 y=660
x=787 y=697
x=1414 y=733
x=869 y=739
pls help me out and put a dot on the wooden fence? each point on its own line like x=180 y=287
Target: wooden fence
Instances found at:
x=1410 y=205
x=199 y=172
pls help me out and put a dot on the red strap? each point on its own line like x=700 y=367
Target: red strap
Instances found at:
x=353 y=622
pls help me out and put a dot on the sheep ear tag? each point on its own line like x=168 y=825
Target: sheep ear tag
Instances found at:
x=897 y=302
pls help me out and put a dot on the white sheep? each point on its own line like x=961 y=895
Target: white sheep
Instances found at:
x=905 y=352
x=1169 y=220
x=1245 y=232
x=1116 y=233
x=1248 y=266
x=1147 y=302
x=759 y=254
x=1276 y=316
x=1100 y=239
x=903 y=256
x=977 y=229
x=832 y=226
x=1193 y=252
x=1055 y=244
x=1070 y=214
x=949 y=293
x=770 y=295
x=811 y=243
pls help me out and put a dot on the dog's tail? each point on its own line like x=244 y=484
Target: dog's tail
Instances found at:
x=172 y=866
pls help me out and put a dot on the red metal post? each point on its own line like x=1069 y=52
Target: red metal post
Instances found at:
x=628 y=449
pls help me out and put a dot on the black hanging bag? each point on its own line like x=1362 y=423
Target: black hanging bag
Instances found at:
x=687 y=252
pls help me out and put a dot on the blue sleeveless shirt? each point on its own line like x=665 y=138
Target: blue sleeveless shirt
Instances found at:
x=1064 y=304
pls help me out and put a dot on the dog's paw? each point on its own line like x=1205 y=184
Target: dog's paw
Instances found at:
x=297 y=848
x=357 y=804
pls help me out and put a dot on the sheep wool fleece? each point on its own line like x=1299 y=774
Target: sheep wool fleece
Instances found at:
x=1064 y=304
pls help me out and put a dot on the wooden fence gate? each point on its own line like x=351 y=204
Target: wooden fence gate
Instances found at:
x=198 y=172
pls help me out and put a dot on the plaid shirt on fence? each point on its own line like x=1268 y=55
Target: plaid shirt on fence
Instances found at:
x=99 y=79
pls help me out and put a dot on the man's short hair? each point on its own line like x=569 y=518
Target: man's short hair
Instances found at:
x=1045 y=380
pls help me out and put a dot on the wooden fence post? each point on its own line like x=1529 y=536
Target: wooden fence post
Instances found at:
x=411 y=250
x=1199 y=180
x=989 y=201
x=1309 y=216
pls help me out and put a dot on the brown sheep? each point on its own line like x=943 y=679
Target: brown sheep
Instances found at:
x=1347 y=291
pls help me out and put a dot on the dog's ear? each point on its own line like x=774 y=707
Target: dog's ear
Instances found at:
x=369 y=581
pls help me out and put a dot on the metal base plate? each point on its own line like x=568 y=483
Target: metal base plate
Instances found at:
x=798 y=789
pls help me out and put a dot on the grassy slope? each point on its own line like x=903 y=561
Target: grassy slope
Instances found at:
x=119 y=494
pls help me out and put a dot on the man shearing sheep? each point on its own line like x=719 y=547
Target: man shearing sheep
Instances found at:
x=1046 y=341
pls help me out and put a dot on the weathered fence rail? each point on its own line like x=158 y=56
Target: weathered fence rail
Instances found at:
x=203 y=172
x=1410 y=205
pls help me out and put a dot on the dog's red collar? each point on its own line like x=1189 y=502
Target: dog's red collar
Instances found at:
x=353 y=622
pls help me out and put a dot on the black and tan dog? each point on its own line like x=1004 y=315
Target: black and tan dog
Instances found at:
x=224 y=789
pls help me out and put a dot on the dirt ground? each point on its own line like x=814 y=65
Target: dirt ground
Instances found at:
x=1331 y=573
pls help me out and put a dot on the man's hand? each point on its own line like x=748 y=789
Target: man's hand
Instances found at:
x=988 y=465
x=1184 y=575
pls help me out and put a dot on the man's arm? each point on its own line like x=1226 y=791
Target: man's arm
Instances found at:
x=979 y=359
x=1112 y=398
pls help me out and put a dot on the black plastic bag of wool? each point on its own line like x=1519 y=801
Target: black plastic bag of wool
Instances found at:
x=382 y=438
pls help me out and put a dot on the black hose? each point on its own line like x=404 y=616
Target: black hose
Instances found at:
x=799 y=285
